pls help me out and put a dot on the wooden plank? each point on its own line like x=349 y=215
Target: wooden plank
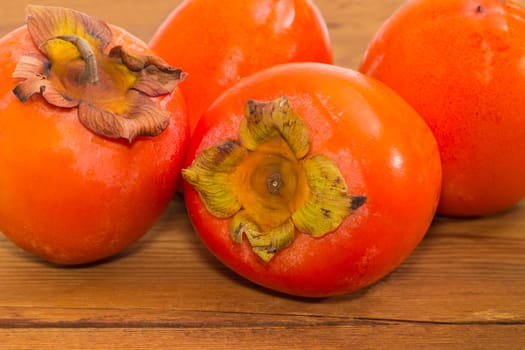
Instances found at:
x=352 y=25
x=463 y=271
x=357 y=336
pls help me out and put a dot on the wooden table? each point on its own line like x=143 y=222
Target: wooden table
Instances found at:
x=463 y=287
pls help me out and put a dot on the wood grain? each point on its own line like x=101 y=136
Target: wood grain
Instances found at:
x=358 y=336
x=463 y=287
x=464 y=284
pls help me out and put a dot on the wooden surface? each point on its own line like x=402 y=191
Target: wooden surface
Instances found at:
x=463 y=287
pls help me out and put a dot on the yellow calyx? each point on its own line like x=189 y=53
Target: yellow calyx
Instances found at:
x=269 y=184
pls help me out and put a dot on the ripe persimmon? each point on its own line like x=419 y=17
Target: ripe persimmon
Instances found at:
x=89 y=155
x=220 y=42
x=311 y=179
x=460 y=64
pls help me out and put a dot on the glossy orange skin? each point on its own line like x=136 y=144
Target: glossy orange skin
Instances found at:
x=68 y=195
x=220 y=42
x=385 y=152
x=460 y=64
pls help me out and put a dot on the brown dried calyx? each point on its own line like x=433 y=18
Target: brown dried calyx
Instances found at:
x=111 y=89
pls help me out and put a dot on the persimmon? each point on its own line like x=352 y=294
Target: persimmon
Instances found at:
x=220 y=42
x=460 y=64
x=311 y=179
x=89 y=154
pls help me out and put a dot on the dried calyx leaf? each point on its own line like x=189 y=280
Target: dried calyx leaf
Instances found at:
x=264 y=120
x=111 y=90
x=269 y=183
x=264 y=243
x=329 y=203
x=155 y=77
x=34 y=71
x=210 y=175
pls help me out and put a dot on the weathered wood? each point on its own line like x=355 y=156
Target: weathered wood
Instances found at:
x=333 y=337
x=467 y=277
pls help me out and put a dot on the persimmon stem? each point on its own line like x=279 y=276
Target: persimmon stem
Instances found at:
x=274 y=183
x=90 y=73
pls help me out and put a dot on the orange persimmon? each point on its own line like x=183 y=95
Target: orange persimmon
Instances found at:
x=89 y=154
x=460 y=64
x=220 y=42
x=311 y=179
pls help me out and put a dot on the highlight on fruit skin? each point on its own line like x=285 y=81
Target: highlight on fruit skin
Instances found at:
x=221 y=42
x=269 y=184
x=382 y=148
x=463 y=71
x=93 y=134
x=111 y=90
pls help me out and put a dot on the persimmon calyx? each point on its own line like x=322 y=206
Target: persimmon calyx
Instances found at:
x=269 y=184
x=77 y=67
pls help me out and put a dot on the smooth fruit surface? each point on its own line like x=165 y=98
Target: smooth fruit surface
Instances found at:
x=67 y=194
x=220 y=42
x=460 y=64
x=383 y=150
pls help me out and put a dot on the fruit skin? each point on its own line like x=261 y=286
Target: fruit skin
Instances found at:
x=219 y=42
x=68 y=195
x=383 y=149
x=459 y=63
